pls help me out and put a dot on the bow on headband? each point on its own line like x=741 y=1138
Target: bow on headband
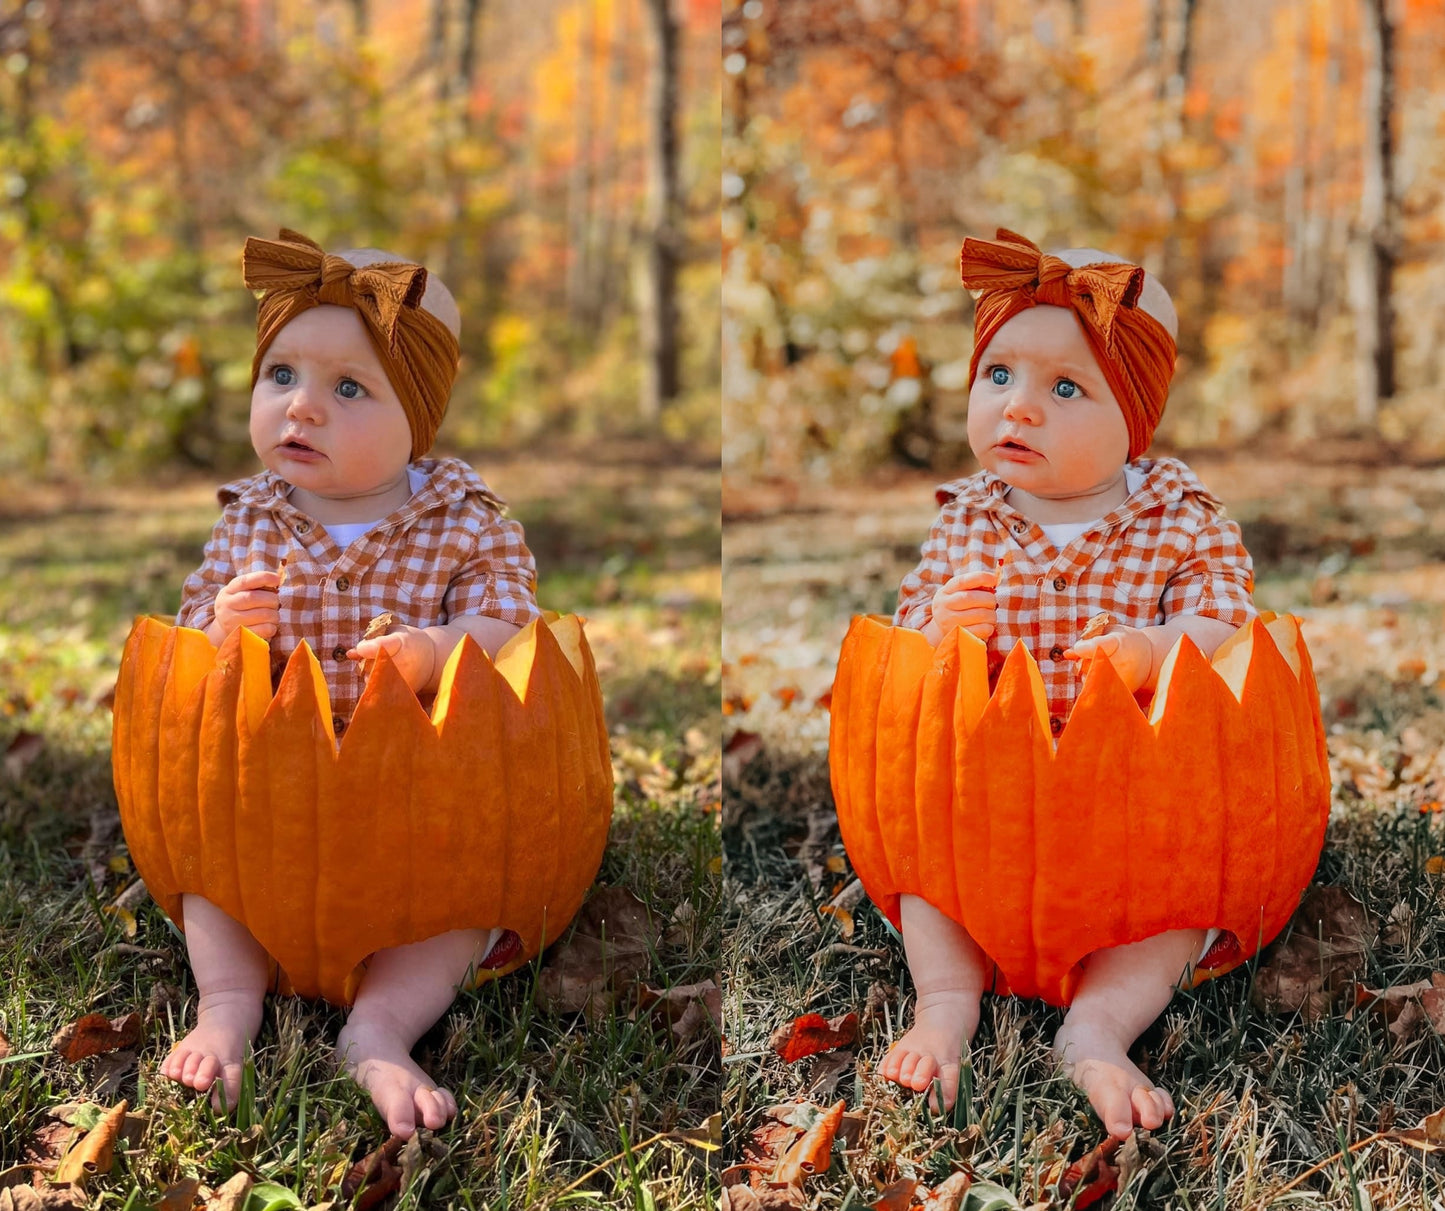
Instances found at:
x=1134 y=350
x=417 y=350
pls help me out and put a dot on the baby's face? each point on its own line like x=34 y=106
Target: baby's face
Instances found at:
x=1041 y=414
x=324 y=416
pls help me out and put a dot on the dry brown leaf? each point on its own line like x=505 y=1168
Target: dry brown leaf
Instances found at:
x=233 y=1193
x=1322 y=951
x=825 y=1072
x=686 y=1008
x=374 y=1177
x=735 y=1198
x=95 y=1151
x=610 y=946
x=4 y=1045
x=23 y=749
x=109 y=1071
x=812 y=1033
x=896 y=1196
x=813 y=1151
x=842 y=916
x=949 y=1194
x=180 y=1197
x=46 y=1198
x=94 y=1034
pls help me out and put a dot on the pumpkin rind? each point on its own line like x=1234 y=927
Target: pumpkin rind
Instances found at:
x=491 y=813
x=1208 y=812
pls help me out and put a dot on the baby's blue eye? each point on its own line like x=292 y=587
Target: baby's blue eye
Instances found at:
x=283 y=376
x=1066 y=388
x=999 y=376
x=349 y=388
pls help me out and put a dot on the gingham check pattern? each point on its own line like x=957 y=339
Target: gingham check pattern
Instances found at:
x=1167 y=550
x=447 y=552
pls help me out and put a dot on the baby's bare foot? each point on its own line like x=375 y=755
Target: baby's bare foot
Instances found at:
x=943 y=1022
x=1097 y=1061
x=380 y=1062
x=210 y=1056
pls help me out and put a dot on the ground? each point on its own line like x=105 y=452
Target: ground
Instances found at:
x=625 y=535
x=1357 y=549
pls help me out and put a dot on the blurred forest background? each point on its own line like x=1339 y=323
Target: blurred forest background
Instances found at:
x=1278 y=163
x=556 y=162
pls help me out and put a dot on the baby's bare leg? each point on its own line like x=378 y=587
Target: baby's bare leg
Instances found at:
x=231 y=972
x=949 y=971
x=404 y=992
x=1122 y=991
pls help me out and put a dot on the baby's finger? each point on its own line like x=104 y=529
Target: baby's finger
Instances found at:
x=969 y=599
x=369 y=649
x=263 y=579
x=971 y=578
x=251 y=599
x=1102 y=645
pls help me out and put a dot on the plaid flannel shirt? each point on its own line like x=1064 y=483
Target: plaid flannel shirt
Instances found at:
x=447 y=552
x=1167 y=550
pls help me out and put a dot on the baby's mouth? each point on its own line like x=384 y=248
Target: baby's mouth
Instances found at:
x=1011 y=444
x=297 y=444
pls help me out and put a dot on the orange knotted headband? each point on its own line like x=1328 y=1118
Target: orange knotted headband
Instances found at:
x=1134 y=350
x=417 y=350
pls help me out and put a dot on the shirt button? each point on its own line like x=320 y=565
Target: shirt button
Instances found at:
x=344 y=582
x=303 y=527
x=1056 y=725
x=1060 y=584
x=338 y=653
x=1056 y=652
x=338 y=724
x=1020 y=527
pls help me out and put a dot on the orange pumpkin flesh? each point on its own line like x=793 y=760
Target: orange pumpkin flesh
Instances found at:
x=491 y=813
x=1208 y=812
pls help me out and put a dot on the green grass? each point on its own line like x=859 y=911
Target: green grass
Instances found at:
x=547 y=1102
x=1261 y=1099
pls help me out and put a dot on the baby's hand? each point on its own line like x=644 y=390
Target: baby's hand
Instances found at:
x=409 y=648
x=967 y=601
x=1127 y=648
x=248 y=600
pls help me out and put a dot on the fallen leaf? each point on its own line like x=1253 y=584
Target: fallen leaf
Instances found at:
x=741 y=748
x=128 y=923
x=374 y=1177
x=4 y=1045
x=23 y=749
x=787 y=695
x=824 y=701
x=422 y=1151
x=708 y=1137
x=842 y=916
x=686 y=1008
x=46 y=1198
x=1090 y=1177
x=896 y=1196
x=94 y=1152
x=1323 y=950
x=109 y=1071
x=813 y=1033
x=180 y=1197
x=94 y=1033
x=813 y=1151
x=825 y=1072
x=1141 y=1153
x=610 y=946
x=734 y=1198
x=232 y=1195
x=949 y=1194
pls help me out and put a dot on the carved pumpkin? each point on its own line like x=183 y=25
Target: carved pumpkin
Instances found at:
x=1209 y=811
x=491 y=813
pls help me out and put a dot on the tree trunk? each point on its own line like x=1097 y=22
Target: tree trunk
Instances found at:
x=579 y=180
x=467 y=62
x=660 y=384
x=359 y=20
x=1374 y=252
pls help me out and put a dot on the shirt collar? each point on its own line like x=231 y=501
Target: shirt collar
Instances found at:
x=448 y=482
x=1166 y=481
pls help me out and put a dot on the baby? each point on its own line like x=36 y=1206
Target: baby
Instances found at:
x=355 y=359
x=1072 y=359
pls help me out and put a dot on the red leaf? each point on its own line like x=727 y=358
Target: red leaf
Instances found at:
x=813 y=1033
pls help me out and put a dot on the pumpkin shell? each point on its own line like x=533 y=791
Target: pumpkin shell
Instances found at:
x=491 y=813
x=1209 y=811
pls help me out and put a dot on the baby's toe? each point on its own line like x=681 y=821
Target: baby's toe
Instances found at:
x=1152 y=1107
x=432 y=1109
x=920 y=1073
x=200 y=1068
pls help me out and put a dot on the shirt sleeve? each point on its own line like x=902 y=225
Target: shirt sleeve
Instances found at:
x=198 y=594
x=500 y=579
x=1216 y=580
x=915 y=594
